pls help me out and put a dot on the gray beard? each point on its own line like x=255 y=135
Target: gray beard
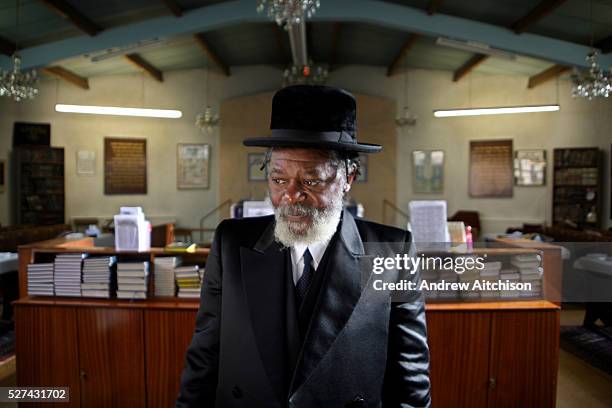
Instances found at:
x=323 y=225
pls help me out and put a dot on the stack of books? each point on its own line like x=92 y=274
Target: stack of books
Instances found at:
x=132 y=280
x=98 y=277
x=188 y=281
x=530 y=272
x=67 y=274
x=164 y=275
x=469 y=276
x=512 y=275
x=490 y=272
x=449 y=276
x=40 y=279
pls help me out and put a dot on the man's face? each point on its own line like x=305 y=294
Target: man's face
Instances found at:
x=303 y=185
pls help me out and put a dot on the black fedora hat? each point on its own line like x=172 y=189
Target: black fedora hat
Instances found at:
x=314 y=116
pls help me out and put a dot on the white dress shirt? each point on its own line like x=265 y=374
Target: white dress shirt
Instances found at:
x=297 y=257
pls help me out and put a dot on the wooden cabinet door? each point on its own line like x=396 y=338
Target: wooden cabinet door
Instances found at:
x=111 y=357
x=459 y=352
x=47 y=351
x=524 y=359
x=167 y=335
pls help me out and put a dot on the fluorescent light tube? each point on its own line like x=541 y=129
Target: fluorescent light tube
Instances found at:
x=114 y=110
x=494 y=111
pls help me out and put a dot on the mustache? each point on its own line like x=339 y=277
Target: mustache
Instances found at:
x=297 y=210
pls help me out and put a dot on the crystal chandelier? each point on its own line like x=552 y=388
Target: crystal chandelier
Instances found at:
x=14 y=83
x=406 y=118
x=310 y=74
x=288 y=12
x=207 y=120
x=592 y=83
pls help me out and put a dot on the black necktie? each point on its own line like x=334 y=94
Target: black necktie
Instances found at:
x=302 y=284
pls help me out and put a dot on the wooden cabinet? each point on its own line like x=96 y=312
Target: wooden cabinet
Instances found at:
x=117 y=354
x=111 y=357
x=494 y=358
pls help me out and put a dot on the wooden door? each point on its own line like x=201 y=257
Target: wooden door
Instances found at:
x=459 y=352
x=524 y=359
x=167 y=335
x=111 y=357
x=46 y=350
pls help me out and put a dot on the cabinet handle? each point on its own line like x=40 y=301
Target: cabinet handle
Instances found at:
x=83 y=375
x=492 y=383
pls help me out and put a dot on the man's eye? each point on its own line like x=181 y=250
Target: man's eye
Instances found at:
x=312 y=182
x=278 y=181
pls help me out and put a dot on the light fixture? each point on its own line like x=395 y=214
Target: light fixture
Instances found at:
x=115 y=110
x=207 y=120
x=14 y=83
x=594 y=82
x=309 y=74
x=406 y=119
x=288 y=12
x=476 y=47
x=494 y=111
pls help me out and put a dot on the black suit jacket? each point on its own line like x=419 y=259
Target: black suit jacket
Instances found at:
x=361 y=350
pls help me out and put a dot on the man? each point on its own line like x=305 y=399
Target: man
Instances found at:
x=288 y=314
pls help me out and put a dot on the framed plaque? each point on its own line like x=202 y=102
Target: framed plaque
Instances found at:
x=192 y=166
x=428 y=171
x=491 y=168
x=530 y=167
x=125 y=166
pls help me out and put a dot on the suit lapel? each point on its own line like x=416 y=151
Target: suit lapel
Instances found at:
x=340 y=294
x=263 y=277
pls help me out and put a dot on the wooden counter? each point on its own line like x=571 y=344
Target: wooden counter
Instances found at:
x=130 y=353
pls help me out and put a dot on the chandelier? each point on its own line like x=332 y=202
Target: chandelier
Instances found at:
x=207 y=120
x=288 y=12
x=14 y=83
x=592 y=83
x=310 y=74
x=406 y=118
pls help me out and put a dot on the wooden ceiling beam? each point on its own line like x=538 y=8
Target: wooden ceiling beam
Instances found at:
x=174 y=7
x=433 y=6
x=546 y=75
x=141 y=63
x=6 y=47
x=469 y=66
x=68 y=76
x=605 y=45
x=402 y=54
x=199 y=39
x=70 y=13
x=541 y=10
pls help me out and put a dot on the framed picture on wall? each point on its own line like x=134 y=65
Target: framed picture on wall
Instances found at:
x=192 y=166
x=428 y=171
x=530 y=167
x=2 y=175
x=125 y=166
x=254 y=170
x=491 y=168
x=362 y=177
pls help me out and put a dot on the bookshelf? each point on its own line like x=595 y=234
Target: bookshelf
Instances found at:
x=577 y=187
x=105 y=349
x=38 y=185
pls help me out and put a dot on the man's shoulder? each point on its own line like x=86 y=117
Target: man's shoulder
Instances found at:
x=244 y=228
x=374 y=232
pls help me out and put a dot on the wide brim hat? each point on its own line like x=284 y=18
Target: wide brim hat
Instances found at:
x=314 y=116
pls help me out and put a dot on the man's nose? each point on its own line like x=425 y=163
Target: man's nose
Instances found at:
x=294 y=193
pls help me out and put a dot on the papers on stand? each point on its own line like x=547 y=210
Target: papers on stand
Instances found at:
x=428 y=222
x=40 y=279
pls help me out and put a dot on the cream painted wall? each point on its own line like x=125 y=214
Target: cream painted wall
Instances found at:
x=579 y=123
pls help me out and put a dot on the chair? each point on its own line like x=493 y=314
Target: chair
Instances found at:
x=471 y=218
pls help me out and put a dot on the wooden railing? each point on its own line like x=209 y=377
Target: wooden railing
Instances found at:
x=396 y=210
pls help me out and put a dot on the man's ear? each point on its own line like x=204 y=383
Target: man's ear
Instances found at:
x=349 y=181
